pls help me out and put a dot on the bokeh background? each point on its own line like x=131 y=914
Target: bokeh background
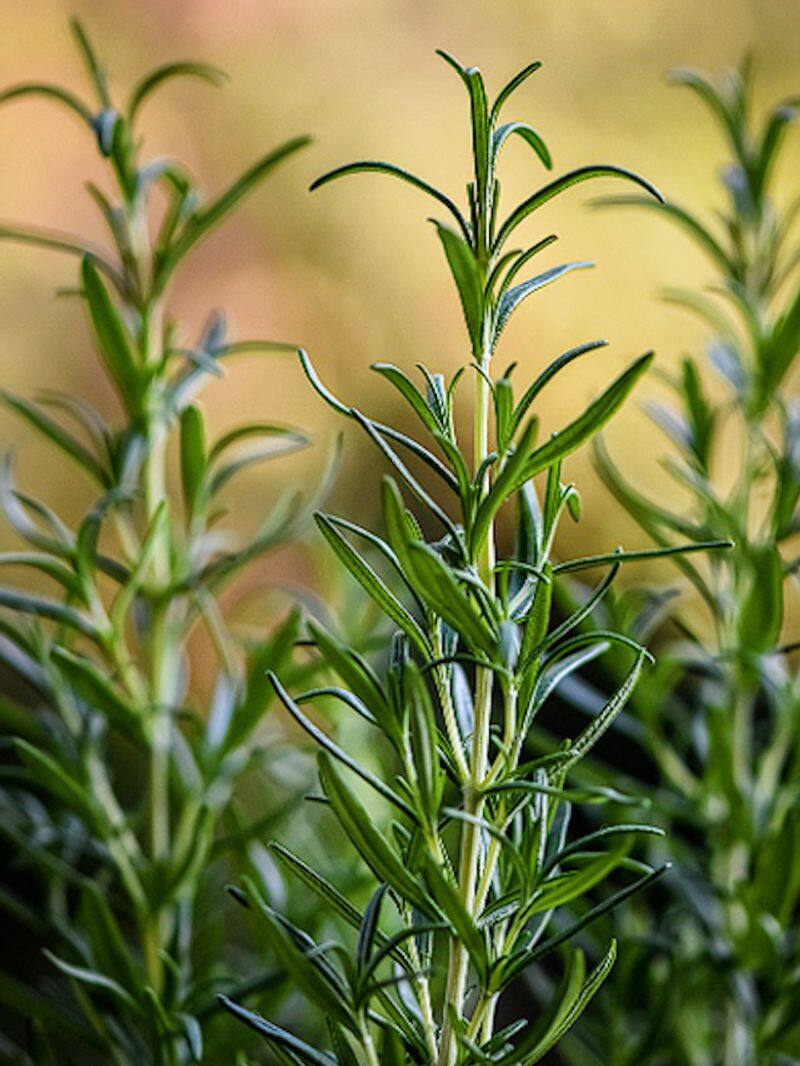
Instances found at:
x=354 y=272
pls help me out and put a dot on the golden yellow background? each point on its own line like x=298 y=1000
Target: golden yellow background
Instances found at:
x=354 y=272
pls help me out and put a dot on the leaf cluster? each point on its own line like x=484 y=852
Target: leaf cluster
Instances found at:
x=122 y=781
x=721 y=711
x=467 y=837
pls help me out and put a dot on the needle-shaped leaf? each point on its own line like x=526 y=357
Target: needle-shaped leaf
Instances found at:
x=512 y=298
x=85 y=976
x=547 y=375
x=526 y=133
x=333 y=749
x=373 y=846
x=41 y=607
x=589 y=561
x=429 y=417
x=479 y=110
x=464 y=268
x=368 y=166
x=373 y=584
x=162 y=74
x=114 y=340
x=215 y=210
x=378 y=429
x=93 y=65
x=566 y=181
x=576 y=997
x=588 y=423
x=369 y=927
x=684 y=218
x=586 y=740
x=53 y=92
x=438 y=587
x=61 y=242
x=58 y=435
x=277 y=1037
x=512 y=86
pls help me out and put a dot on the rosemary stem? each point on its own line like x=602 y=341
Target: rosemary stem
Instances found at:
x=469 y=858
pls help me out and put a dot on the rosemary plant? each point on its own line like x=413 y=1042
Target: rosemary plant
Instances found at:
x=122 y=777
x=467 y=838
x=718 y=980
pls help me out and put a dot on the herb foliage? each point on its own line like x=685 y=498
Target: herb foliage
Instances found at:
x=466 y=837
x=120 y=802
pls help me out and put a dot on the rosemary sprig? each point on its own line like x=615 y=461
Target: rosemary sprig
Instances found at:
x=467 y=840
x=122 y=777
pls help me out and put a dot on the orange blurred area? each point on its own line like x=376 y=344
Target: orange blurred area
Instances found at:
x=353 y=272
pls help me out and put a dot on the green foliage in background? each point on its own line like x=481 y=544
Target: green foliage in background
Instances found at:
x=715 y=975
x=467 y=838
x=118 y=807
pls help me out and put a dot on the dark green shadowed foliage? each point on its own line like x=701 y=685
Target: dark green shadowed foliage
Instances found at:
x=466 y=837
x=118 y=801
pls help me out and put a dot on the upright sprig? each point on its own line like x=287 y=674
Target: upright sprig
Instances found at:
x=134 y=774
x=475 y=858
x=723 y=725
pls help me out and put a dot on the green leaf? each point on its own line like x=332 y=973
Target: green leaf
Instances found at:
x=333 y=749
x=703 y=237
x=520 y=213
x=761 y=606
x=62 y=242
x=479 y=110
x=40 y=607
x=95 y=70
x=157 y=77
x=274 y=653
x=375 y=432
x=452 y=906
x=511 y=299
x=46 y=564
x=510 y=477
x=283 y=443
x=589 y=561
x=92 y=685
x=586 y=740
x=372 y=845
x=512 y=86
x=54 y=92
x=708 y=94
x=113 y=338
x=369 y=927
x=575 y=997
x=193 y=457
x=321 y=887
x=93 y=979
x=566 y=887
x=278 y=1037
x=464 y=268
x=354 y=671
x=50 y=774
x=595 y=416
x=373 y=584
x=306 y=965
x=411 y=393
x=512 y=966
x=527 y=133
x=437 y=586
x=377 y=167
x=213 y=212
x=59 y=436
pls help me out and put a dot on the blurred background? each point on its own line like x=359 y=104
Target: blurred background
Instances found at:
x=354 y=273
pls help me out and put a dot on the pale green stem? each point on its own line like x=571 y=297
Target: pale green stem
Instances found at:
x=469 y=857
x=368 y=1044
